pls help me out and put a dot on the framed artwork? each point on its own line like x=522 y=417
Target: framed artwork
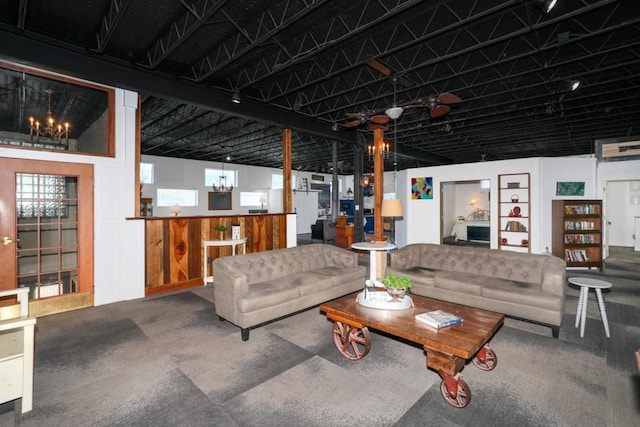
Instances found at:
x=219 y=201
x=570 y=189
x=422 y=188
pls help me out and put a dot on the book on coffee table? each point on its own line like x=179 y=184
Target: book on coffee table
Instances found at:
x=439 y=319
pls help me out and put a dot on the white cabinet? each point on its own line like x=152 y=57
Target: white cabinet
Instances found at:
x=16 y=352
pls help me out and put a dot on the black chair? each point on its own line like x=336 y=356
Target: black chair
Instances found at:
x=317 y=231
x=328 y=231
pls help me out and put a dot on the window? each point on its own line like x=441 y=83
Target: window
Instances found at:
x=82 y=113
x=170 y=197
x=146 y=173
x=277 y=182
x=252 y=198
x=43 y=196
x=212 y=176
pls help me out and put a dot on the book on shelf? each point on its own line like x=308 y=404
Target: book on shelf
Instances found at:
x=439 y=319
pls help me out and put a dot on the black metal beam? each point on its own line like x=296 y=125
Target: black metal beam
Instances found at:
x=72 y=61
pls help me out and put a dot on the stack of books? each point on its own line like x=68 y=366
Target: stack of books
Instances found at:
x=439 y=319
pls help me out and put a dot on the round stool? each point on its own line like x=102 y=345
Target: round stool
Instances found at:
x=585 y=284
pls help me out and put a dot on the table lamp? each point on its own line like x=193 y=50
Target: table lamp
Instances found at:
x=392 y=208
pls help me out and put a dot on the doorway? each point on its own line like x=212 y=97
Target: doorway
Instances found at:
x=622 y=219
x=46 y=227
x=465 y=213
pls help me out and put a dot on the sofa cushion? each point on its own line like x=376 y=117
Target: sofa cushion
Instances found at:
x=458 y=282
x=266 y=294
x=283 y=289
x=523 y=293
x=344 y=275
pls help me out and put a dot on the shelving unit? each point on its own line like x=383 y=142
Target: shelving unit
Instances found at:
x=514 y=209
x=577 y=232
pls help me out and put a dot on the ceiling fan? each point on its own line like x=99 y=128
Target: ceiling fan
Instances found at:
x=361 y=118
x=438 y=106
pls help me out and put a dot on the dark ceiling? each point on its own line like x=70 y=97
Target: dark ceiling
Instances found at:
x=304 y=64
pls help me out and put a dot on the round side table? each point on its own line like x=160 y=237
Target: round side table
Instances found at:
x=585 y=284
x=372 y=248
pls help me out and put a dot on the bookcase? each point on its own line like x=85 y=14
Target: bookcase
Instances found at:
x=514 y=208
x=576 y=227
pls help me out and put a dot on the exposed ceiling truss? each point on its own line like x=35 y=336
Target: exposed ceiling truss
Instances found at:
x=304 y=64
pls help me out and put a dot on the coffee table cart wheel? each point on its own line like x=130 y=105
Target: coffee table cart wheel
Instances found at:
x=485 y=359
x=353 y=343
x=455 y=390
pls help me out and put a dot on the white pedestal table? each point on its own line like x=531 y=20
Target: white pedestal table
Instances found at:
x=585 y=284
x=373 y=248
x=209 y=243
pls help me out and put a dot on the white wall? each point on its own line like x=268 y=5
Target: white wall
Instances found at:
x=421 y=223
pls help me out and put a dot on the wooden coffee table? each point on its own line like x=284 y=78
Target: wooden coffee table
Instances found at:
x=447 y=349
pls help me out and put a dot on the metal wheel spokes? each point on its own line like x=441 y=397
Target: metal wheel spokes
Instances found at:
x=486 y=358
x=353 y=343
x=455 y=391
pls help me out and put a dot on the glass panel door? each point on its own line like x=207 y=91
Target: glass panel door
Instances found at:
x=46 y=233
x=47 y=229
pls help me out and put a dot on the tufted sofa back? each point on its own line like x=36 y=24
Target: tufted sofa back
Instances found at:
x=268 y=265
x=521 y=267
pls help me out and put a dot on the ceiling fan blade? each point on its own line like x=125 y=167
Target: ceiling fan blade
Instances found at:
x=439 y=111
x=449 y=98
x=380 y=119
x=379 y=67
x=414 y=105
x=353 y=123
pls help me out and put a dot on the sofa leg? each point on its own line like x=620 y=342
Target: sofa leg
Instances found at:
x=245 y=334
x=221 y=318
x=555 y=331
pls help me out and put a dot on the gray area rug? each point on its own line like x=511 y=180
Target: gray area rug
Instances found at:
x=169 y=361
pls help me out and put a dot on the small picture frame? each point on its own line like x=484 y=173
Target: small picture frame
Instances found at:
x=570 y=189
x=219 y=201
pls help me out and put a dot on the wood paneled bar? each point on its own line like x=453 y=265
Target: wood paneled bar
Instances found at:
x=174 y=252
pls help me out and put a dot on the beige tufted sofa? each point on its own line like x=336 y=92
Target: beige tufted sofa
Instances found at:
x=524 y=286
x=259 y=287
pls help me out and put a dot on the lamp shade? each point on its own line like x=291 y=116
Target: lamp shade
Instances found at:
x=394 y=112
x=391 y=208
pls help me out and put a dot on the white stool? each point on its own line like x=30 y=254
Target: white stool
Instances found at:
x=585 y=284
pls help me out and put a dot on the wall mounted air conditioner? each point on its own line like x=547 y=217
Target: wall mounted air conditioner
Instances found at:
x=626 y=148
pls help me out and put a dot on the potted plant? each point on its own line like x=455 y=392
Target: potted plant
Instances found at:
x=396 y=286
x=221 y=228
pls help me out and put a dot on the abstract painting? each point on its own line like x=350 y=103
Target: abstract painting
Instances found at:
x=422 y=188
x=570 y=189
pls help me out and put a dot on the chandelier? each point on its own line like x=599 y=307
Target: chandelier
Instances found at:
x=222 y=187
x=49 y=129
x=383 y=150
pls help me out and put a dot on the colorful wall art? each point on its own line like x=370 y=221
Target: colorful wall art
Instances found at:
x=570 y=189
x=422 y=188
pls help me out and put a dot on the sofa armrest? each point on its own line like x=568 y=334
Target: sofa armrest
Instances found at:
x=554 y=278
x=230 y=285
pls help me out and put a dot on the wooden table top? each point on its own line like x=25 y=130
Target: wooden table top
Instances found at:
x=462 y=340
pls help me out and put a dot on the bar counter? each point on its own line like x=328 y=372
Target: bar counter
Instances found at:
x=174 y=252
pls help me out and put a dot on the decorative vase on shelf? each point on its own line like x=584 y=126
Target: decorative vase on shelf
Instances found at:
x=515 y=198
x=221 y=235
